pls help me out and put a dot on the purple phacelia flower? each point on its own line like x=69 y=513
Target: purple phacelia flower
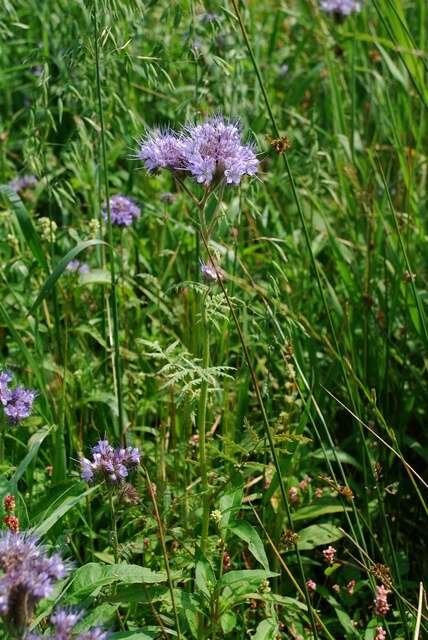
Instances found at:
x=123 y=211
x=214 y=150
x=19 y=404
x=109 y=464
x=5 y=391
x=341 y=7
x=29 y=575
x=161 y=150
x=22 y=183
x=210 y=272
x=209 y=152
x=64 y=623
x=75 y=266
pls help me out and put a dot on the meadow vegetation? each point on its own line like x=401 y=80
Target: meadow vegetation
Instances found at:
x=213 y=334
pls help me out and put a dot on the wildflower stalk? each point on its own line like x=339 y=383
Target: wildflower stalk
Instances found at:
x=114 y=540
x=203 y=399
x=268 y=434
x=164 y=549
x=114 y=303
x=202 y=416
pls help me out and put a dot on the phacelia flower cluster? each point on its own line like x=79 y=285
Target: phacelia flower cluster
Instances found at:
x=109 y=464
x=22 y=183
x=18 y=402
x=64 y=623
x=123 y=211
x=28 y=576
x=341 y=7
x=75 y=266
x=208 y=152
x=381 y=600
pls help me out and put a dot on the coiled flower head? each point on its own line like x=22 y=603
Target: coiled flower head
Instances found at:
x=123 y=211
x=109 y=464
x=28 y=576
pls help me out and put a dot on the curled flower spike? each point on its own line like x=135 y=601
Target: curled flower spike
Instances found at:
x=28 y=576
x=111 y=465
x=123 y=211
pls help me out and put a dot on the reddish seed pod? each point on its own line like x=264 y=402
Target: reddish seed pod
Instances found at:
x=9 y=504
x=12 y=523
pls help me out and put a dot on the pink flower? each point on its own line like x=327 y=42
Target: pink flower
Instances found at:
x=381 y=601
x=329 y=554
x=311 y=585
x=336 y=588
x=293 y=495
x=304 y=484
x=380 y=633
x=350 y=586
x=318 y=492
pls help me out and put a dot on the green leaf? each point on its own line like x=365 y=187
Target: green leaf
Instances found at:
x=60 y=268
x=103 y=615
x=33 y=444
x=204 y=576
x=230 y=503
x=245 y=576
x=228 y=622
x=342 y=616
x=321 y=507
x=318 y=534
x=92 y=576
x=53 y=515
x=266 y=630
x=25 y=222
x=148 y=633
x=249 y=534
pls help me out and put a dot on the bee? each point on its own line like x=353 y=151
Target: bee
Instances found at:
x=280 y=144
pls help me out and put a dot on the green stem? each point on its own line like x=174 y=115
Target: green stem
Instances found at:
x=164 y=550
x=114 y=304
x=114 y=540
x=202 y=416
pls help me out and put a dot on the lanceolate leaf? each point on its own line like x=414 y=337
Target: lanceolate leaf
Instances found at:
x=26 y=224
x=60 y=268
